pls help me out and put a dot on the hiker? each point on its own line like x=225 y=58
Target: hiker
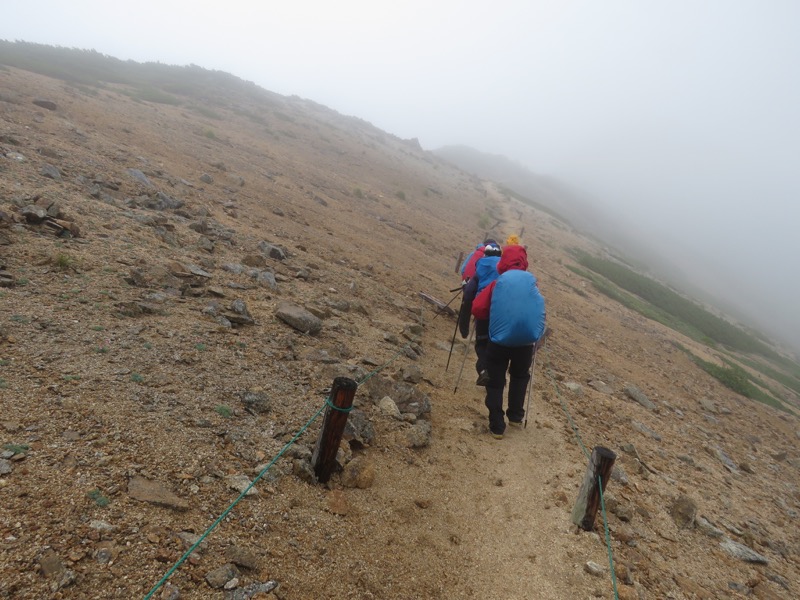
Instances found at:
x=468 y=266
x=485 y=273
x=516 y=312
x=467 y=273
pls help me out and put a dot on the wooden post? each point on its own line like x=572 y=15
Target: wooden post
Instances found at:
x=459 y=260
x=330 y=436
x=600 y=465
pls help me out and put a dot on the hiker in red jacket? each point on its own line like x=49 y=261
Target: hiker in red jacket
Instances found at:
x=516 y=312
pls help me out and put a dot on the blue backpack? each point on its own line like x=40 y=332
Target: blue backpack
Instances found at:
x=517 y=312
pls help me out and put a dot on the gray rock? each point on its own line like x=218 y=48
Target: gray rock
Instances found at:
x=303 y=470
x=407 y=397
x=33 y=213
x=723 y=458
x=709 y=528
x=419 y=436
x=221 y=575
x=388 y=407
x=45 y=103
x=412 y=374
x=140 y=177
x=272 y=250
x=358 y=428
x=5 y=466
x=50 y=171
x=240 y=483
x=636 y=394
x=234 y=268
x=170 y=592
x=708 y=405
x=592 y=568
x=644 y=429
x=145 y=490
x=618 y=474
x=257 y=402
x=242 y=557
x=206 y=178
x=683 y=511
x=239 y=314
x=742 y=552
x=601 y=386
x=251 y=591
x=574 y=387
x=267 y=279
x=298 y=318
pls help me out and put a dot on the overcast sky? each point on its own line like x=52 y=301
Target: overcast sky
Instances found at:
x=683 y=115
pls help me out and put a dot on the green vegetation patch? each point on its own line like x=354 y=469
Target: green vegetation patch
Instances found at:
x=679 y=308
x=98 y=498
x=737 y=379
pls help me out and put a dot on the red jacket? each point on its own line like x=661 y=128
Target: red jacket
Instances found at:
x=514 y=257
x=469 y=268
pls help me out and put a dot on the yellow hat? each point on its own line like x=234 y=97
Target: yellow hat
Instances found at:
x=512 y=240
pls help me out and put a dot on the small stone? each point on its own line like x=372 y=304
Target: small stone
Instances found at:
x=221 y=575
x=594 y=569
x=242 y=557
x=240 y=483
x=683 y=512
x=44 y=103
x=742 y=552
x=359 y=473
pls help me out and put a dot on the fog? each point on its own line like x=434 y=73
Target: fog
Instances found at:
x=680 y=117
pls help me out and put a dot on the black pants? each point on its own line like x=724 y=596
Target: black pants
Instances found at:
x=517 y=361
x=481 y=343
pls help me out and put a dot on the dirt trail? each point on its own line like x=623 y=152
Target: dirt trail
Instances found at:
x=511 y=498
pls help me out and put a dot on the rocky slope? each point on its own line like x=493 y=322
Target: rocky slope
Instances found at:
x=181 y=284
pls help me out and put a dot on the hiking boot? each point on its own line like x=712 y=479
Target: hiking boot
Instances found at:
x=517 y=424
x=483 y=378
x=497 y=436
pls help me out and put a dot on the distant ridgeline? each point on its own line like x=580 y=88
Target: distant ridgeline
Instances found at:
x=151 y=81
x=659 y=303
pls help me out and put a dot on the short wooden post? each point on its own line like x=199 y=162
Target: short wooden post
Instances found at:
x=330 y=436
x=600 y=465
x=459 y=260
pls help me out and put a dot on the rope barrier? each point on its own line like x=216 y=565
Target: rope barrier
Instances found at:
x=587 y=455
x=608 y=538
x=283 y=450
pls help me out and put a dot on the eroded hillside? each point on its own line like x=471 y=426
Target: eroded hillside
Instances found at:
x=148 y=368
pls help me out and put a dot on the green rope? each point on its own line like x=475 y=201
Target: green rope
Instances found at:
x=213 y=526
x=188 y=553
x=334 y=407
x=608 y=538
x=564 y=405
x=599 y=480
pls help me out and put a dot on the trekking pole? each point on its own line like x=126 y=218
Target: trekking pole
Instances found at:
x=452 y=343
x=536 y=348
x=530 y=387
x=441 y=310
x=463 y=360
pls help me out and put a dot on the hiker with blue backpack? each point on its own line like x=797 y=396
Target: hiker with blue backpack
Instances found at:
x=485 y=273
x=515 y=310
